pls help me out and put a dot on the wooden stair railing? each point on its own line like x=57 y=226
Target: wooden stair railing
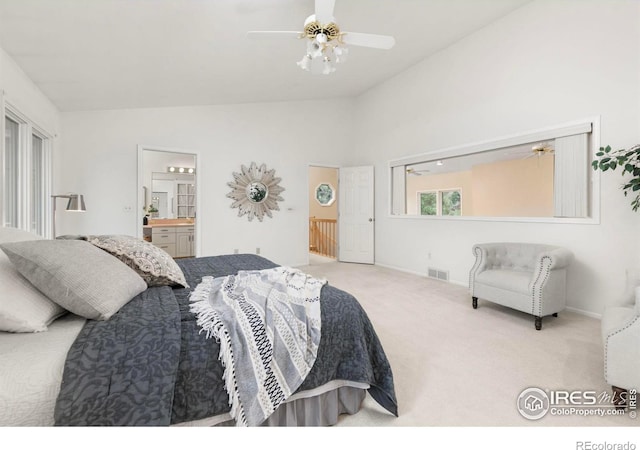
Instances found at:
x=322 y=237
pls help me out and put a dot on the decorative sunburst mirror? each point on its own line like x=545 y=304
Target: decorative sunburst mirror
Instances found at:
x=256 y=191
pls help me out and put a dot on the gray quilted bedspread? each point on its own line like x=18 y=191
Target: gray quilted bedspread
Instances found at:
x=150 y=365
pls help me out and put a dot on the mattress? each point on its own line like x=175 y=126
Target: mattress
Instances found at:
x=31 y=369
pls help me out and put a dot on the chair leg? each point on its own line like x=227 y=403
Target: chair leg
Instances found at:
x=474 y=302
x=538 y=323
x=619 y=397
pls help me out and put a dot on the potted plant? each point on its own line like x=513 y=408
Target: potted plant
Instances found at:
x=629 y=160
x=149 y=211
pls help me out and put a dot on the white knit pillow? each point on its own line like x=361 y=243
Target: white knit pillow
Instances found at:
x=23 y=308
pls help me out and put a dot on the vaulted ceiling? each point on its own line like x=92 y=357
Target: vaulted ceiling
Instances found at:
x=111 y=54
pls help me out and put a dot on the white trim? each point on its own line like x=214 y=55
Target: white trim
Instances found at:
x=567 y=129
x=140 y=199
x=572 y=220
x=583 y=312
x=2 y=150
x=465 y=284
x=402 y=269
x=27 y=129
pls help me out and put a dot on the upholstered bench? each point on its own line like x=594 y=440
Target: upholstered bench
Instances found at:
x=523 y=276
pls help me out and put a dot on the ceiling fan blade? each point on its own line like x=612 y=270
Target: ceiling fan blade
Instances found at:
x=324 y=10
x=369 y=40
x=272 y=34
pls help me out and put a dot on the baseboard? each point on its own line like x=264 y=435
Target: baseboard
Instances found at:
x=585 y=313
x=401 y=269
x=465 y=284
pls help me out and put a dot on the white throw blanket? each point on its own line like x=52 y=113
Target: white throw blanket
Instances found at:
x=268 y=325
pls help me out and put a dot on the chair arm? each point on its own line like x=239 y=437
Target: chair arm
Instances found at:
x=558 y=258
x=631 y=294
x=480 y=264
x=544 y=293
x=622 y=354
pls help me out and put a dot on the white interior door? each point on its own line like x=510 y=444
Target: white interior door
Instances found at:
x=356 y=219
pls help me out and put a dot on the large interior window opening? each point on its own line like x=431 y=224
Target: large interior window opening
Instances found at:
x=533 y=176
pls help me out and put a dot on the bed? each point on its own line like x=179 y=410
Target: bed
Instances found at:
x=149 y=364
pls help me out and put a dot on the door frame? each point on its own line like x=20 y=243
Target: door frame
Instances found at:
x=140 y=190
x=326 y=166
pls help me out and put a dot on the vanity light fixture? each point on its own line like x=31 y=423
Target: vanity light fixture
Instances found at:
x=173 y=169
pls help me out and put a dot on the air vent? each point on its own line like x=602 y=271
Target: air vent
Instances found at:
x=438 y=274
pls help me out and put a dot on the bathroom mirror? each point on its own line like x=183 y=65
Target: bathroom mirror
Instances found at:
x=172 y=196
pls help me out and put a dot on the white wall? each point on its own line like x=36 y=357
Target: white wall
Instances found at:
x=548 y=63
x=18 y=92
x=100 y=161
x=22 y=93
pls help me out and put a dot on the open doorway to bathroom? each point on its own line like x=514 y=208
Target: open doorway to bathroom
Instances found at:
x=168 y=197
x=323 y=214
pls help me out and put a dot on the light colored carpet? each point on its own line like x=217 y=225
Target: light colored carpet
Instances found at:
x=454 y=366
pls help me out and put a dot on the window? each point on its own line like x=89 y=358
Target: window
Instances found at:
x=440 y=203
x=11 y=173
x=539 y=176
x=38 y=191
x=428 y=203
x=26 y=174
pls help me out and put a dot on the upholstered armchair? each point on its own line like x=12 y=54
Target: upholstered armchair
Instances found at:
x=621 y=340
x=526 y=277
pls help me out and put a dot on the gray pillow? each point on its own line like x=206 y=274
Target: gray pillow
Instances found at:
x=76 y=275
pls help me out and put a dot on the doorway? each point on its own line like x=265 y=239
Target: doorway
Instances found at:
x=168 y=200
x=323 y=214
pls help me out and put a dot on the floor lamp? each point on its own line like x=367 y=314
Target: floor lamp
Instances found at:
x=76 y=203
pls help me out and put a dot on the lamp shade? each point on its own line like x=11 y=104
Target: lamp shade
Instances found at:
x=76 y=203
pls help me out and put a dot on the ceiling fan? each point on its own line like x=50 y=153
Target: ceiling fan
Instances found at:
x=412 y=171
x=541 y=149
x=327 y=45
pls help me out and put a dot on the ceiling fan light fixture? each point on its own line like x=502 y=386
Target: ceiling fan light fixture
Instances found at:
x=328 y=66
x=341 y=54
x=323 y=43
x=326 y=44
x=305 y=62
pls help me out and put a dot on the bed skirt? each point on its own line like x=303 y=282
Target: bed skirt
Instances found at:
x=316 y=407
